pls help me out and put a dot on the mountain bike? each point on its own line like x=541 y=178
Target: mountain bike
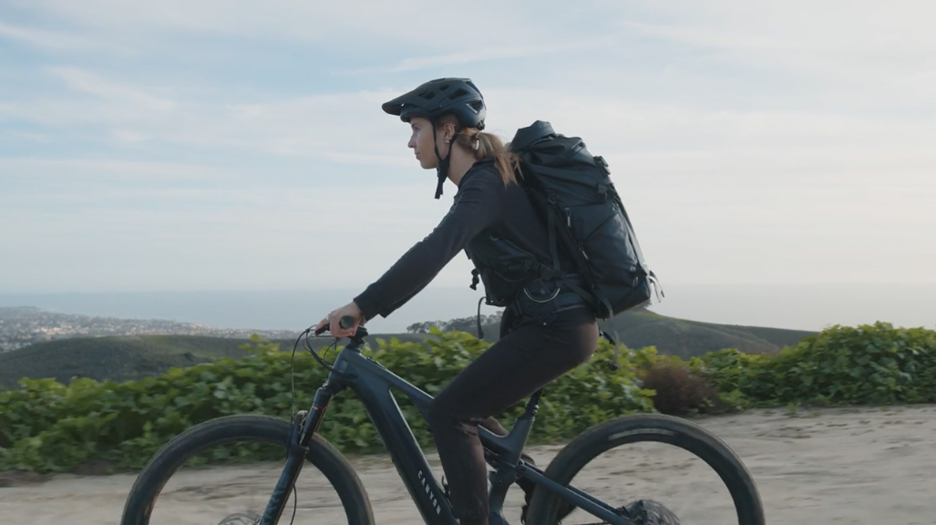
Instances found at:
x=192 y=499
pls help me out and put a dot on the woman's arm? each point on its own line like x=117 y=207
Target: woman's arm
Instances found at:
x=478 y=204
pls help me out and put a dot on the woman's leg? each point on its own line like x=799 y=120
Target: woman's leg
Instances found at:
x=530 y=356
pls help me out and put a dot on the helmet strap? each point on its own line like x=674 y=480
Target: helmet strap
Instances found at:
x=443 y=166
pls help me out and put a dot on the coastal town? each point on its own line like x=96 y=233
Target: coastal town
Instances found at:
x=23 y=326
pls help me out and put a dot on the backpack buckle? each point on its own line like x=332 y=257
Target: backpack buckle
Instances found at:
x=537 y=267
x=603 y=164
x=603 y=192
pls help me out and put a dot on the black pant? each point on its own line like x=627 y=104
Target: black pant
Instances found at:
x=531 y=352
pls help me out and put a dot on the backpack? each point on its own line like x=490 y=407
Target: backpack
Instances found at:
x=572 y=191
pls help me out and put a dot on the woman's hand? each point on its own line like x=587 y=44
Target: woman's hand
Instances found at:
x=335 y=316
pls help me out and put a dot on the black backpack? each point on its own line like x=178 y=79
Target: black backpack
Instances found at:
x=573 y=192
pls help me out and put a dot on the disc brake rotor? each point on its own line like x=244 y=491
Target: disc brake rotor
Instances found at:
x=241 y=518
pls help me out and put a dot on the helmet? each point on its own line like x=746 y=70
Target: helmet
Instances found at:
x=435 y=98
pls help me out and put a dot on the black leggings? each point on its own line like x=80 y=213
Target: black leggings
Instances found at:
x=530 y=353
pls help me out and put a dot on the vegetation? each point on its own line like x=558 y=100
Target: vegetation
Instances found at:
x=870 y=364
x=677 y=390
x=122 y=358
x=461 y=324
x=135 y=357
x=113 y=358
x=48 y=426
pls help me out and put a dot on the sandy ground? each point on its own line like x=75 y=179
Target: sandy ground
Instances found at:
x=849 y=466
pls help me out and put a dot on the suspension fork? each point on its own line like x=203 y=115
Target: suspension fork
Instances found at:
x=304 y=426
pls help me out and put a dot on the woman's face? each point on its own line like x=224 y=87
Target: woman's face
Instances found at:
x=421 y=142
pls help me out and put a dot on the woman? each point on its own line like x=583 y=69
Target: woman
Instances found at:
x=546 y=329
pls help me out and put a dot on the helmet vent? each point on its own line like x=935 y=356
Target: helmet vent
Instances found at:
x=457 y=93
x=428 y=95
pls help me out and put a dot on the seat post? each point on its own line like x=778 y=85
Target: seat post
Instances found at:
x=533 y=404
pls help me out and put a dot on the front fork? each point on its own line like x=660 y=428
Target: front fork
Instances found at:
x=304 y=426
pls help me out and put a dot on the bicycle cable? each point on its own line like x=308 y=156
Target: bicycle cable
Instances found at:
x=295 y=504
x=307 y=343
x=292 y=371
x=292 y=403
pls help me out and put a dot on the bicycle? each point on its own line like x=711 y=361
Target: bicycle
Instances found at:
x=371 y=382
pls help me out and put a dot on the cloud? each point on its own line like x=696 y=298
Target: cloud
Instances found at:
x=747 y=138
x=485 y=54
x=616 y=124
x=838 y=25
x=862 y=53
x=127 y=225
x=46 y=39
x=349 y=128
x=92 y=84
x=343 y=128
x=404 y=21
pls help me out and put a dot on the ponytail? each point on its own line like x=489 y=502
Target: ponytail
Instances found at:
x=485 y=145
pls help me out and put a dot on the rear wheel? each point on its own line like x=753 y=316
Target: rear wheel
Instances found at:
x=223 y=471
x=658 y=467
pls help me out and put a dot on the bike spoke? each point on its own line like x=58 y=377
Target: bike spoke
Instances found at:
x=669 y=475
x=221 y=486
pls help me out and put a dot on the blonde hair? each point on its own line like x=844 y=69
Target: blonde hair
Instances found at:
x=485 y=145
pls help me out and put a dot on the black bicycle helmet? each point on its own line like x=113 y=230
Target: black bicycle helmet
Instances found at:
x=458 y=96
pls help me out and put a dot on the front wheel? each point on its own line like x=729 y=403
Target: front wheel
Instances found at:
x=652 y=465
x=223 y=471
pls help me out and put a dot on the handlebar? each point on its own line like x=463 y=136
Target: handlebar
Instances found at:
x=345 y=322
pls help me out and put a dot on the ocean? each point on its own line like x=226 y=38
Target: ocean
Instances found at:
x=800 y=306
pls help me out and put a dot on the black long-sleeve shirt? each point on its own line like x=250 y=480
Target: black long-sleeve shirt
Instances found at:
x=483 y=204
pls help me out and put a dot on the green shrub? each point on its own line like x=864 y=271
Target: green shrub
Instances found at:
x=48 y=426
x=870 y=364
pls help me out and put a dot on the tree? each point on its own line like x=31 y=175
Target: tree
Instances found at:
x=461 y=324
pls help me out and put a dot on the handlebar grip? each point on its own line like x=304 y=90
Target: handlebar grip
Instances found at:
x=345 y=322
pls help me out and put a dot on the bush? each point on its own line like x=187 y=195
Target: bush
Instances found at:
x=677 y=390
x=48 y=426
x=869 y=364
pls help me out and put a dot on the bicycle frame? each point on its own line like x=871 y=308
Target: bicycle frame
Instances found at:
x=372 y=382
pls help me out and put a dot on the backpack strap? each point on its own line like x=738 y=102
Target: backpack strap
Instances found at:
x=601 y=305
x=552 y=205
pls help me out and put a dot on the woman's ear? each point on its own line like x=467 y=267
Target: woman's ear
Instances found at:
x=448 y=132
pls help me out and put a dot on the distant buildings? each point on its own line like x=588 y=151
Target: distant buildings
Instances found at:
x=24 y=326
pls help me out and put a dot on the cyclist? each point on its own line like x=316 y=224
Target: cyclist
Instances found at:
x=546 y=329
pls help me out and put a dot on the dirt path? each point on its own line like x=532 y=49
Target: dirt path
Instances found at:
x=849 y=466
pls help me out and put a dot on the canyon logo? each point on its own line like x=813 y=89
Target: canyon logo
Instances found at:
x=432 y=498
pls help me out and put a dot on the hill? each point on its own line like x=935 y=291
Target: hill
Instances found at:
x=122 y=358
x=131 y=357
x=639 y=328
x=112 y=358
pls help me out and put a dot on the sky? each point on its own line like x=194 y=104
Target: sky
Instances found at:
x=239 y=145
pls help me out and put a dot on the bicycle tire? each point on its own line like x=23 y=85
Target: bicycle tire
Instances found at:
x=544 y=504
x=244 y=428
